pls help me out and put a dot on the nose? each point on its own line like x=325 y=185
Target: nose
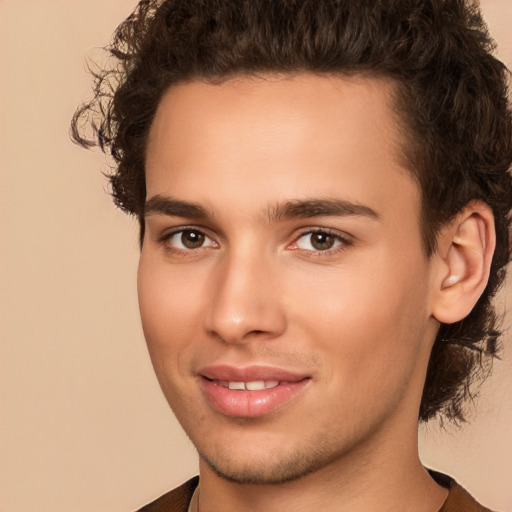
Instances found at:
x=245 y=300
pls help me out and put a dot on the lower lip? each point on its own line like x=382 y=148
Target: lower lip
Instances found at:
x=250 y=404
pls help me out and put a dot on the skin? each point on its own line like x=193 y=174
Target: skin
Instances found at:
x=357 y=318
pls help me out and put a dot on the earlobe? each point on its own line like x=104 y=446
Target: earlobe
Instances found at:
x=465 y=251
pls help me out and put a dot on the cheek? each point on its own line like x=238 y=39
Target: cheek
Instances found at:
x=170 y=308
x=369 y=321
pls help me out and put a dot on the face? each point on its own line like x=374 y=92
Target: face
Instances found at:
x=283 y=287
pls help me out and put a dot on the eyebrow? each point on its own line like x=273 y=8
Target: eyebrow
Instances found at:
x=282 y=211
x=318 y=208
x=175 y=208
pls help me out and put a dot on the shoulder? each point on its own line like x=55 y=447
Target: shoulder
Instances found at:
x=176 y=500
x=459 y=500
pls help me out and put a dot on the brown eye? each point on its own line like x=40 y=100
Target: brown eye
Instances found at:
x=192 y=239
x=322 y=241
x=188 y=239
x=319 y=241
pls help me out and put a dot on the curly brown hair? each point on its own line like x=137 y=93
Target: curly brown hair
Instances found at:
x=451 y=94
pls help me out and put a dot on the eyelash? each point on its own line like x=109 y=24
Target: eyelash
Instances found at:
x=341 y=242
x=165 y=239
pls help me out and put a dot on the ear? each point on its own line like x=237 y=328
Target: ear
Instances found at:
x=463 y=261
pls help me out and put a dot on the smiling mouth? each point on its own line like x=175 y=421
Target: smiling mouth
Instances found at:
x=250 y=393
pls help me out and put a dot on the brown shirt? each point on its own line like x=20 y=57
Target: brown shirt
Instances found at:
x=178 y=500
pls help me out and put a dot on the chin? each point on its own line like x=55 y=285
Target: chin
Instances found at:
x=271 y=468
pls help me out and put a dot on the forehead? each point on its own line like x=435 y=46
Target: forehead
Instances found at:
x=307 y=135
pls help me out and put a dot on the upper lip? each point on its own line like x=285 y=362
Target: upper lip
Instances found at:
x=250 y=373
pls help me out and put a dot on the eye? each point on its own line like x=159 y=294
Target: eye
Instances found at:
x=189 y=239
x=319 y=241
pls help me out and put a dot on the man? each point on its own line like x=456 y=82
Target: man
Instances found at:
x=323 y=191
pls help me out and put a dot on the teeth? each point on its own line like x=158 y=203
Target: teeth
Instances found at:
x=255 y=385
x=236 y=385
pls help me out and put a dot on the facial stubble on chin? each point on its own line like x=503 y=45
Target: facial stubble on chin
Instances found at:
x=275 y=470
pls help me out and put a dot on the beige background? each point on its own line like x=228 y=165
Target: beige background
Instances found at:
x=83 y=426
